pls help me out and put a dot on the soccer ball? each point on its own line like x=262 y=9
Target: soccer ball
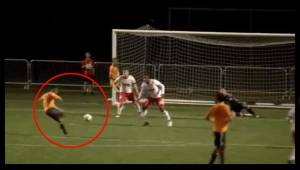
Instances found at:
x=87 y=117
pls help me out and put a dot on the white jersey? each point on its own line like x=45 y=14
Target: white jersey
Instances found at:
x=126 y=85
x=155 y=89
x=291 y=117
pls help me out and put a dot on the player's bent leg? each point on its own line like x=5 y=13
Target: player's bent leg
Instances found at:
x=161 y=105
x=239 y=114
x=170 y=122
x=138 y=106
x=120 y=108
x=144 y=112
x=217 y=144
x=213 y=156
x=222 y=148
x=57 y=116
x=54 y=114
x=120 y=104
x=250 y=110
x=62 y=127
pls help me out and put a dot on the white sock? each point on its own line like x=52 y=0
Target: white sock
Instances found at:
x=167 y=115
x=121 y=108
x=143 y=115
x=139 y=109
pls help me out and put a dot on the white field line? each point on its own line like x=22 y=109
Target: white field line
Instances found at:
x=159 y=145
x=150 y=143
x=187 y=117
x=198 y=103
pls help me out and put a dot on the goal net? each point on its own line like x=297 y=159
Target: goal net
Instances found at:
x=254 y=67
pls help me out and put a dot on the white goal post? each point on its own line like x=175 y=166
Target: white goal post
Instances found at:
x=254 y=67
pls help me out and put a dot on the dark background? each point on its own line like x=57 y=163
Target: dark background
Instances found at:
x=55 y=30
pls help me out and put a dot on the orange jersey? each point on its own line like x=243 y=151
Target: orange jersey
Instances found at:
x=220 y=115
x=48 y=100
x=113 y=74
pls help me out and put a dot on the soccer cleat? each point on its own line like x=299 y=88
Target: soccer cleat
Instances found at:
x=117 y=116
x=170 y=123
x=146 y=123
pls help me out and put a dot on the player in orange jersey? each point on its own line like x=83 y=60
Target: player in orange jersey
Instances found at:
x=113 y=74
x=220 y=115
x=48 y=103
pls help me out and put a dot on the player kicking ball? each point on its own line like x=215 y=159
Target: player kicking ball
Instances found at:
x=48 y=103
x=152 y=91
x=126 y=85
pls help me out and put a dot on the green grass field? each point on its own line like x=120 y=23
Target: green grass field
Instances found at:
x=265 y=140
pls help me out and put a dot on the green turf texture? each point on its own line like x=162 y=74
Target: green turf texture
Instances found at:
x=265 y=140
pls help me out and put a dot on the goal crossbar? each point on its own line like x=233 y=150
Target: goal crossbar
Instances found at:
x=207 y=33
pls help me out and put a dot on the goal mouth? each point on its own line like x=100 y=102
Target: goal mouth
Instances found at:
x=254 y=67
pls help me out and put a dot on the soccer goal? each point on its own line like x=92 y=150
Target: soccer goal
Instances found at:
x=254 y=67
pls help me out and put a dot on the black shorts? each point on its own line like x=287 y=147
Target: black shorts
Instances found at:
x=54 y=114
x=219 y=139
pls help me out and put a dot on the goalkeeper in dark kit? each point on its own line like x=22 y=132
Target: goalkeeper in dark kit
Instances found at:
x=241 y=109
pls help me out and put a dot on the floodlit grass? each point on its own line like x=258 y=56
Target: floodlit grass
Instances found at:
x=265 y=140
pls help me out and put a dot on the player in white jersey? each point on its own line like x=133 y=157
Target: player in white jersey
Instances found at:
x=126 y=85
x=291 y=118
x=153 y=91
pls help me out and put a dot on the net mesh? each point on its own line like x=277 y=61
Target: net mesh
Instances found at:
x=193 y=67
